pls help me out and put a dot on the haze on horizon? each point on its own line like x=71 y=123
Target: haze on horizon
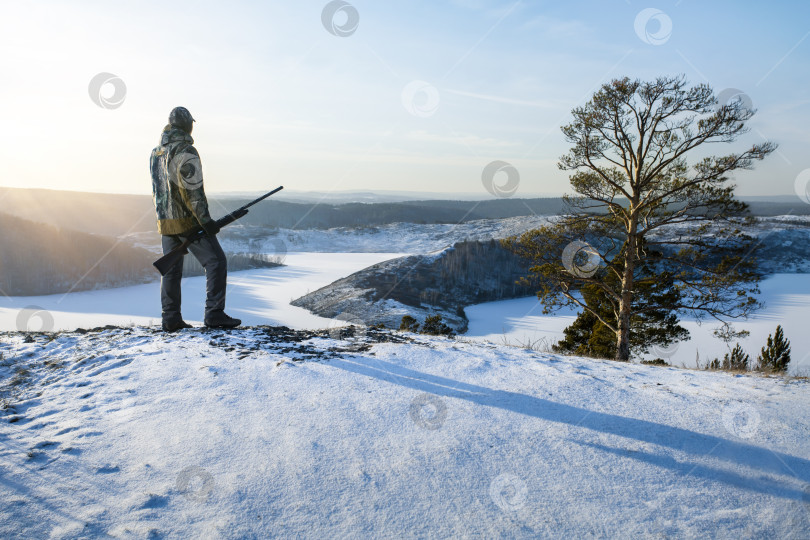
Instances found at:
x=420 y=97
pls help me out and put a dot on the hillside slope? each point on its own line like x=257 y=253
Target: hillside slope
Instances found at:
x=267 y=432
x=476 y=269
x=422 y=285
x=42 y=259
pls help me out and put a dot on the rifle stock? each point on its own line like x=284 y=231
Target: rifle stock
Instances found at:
x=165 y=263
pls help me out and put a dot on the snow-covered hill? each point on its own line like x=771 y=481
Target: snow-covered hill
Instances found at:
x=783 y=241
x=405 y=237
x=267 y=432
x=442 y=283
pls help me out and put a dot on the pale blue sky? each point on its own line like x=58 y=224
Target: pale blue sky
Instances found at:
x=280 y=100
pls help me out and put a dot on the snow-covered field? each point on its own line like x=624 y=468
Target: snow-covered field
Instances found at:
x=787 y=302
x=133 y=433
x=255 y=296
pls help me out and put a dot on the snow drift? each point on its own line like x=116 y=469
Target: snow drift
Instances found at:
x=355 y=432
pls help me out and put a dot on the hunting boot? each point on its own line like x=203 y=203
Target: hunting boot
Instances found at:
x=219 y=319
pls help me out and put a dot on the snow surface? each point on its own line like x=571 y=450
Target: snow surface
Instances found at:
x=521 y=321
x=132 y=433
x=255 y=296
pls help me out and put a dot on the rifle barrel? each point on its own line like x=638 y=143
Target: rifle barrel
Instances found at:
x=165 y=263
x=263 y=197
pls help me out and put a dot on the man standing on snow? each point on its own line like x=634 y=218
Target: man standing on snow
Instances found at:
x=181 y=206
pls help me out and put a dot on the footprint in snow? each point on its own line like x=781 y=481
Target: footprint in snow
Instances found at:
x=114 y=365
x=155 y=501
x=89 y=434
x=37 y=452
x=45 y=444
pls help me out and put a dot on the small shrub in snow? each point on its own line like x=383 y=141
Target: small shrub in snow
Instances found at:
x=775 y=355
x=434 y=326
x=736 y=360
x=409 y=324
x=655 y=362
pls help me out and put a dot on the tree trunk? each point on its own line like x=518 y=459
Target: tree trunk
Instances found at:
x=626 y=302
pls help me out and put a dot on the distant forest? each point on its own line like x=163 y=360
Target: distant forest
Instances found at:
x=43 y=259
x=38 y=259
x=114 y=215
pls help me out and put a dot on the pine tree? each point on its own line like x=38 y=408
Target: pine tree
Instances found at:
x=652 y=324
x=640 y=172
x=434 y=326
x=409 y=324
x=736 y=361
x=775 y=355
x=587 y=335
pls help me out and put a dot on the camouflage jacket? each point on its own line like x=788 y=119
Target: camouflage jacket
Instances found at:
x=177 y=183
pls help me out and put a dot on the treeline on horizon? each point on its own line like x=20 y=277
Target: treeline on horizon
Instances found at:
x=115 y=214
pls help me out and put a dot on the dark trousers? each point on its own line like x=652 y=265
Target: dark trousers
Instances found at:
x=208 y=251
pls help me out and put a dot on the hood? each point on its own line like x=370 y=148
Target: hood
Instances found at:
x=172 y=134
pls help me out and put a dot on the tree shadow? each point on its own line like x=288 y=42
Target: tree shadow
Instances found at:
x=760 y=484
x=734 y=452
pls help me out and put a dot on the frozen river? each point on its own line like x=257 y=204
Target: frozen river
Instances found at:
x=263 y=296
x=255 y=296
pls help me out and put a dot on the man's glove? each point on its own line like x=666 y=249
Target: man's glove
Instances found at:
x=211 y=228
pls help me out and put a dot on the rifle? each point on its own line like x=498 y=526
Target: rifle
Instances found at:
x=165 y=263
